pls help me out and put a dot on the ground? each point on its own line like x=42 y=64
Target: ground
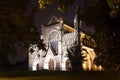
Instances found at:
x=51 y=75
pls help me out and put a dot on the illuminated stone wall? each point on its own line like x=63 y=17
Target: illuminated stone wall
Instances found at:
x=57 y=42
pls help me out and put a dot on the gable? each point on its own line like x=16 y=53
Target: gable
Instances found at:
x=53 y=20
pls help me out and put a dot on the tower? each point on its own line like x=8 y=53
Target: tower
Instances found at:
x=77 y=58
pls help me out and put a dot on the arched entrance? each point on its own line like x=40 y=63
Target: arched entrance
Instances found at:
x=51 y=64
x=37 y=66
x=68 y=65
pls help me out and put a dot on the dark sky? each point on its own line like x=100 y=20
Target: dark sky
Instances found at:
x=43 y=16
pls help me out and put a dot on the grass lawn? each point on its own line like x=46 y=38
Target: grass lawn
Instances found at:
x=53 y=75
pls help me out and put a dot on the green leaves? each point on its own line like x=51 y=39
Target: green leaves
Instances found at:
x=44 y=3
x=114 y=6
x=63 y=5
x=15 y=26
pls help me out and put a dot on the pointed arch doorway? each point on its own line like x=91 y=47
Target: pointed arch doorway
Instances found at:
x=37 y=66
x=51 y=64
x=68 y=65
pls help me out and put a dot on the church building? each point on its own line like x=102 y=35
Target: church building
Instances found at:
x=58 y=37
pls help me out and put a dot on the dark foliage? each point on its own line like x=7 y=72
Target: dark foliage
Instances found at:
x=76 y=58
x=17 y=25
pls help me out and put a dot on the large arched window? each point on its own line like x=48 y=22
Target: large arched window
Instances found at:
x=53 y=40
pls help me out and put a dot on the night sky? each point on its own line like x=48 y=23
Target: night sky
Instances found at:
x=43 y=16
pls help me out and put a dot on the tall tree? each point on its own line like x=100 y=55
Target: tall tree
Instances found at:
x=76 y=58
x=16 y=25
x=75 y=53
x=106 y=34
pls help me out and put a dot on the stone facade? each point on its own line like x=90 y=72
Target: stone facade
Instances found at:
x=58 y=37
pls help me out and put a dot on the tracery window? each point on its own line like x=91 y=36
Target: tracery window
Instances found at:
x=53 y=40
x=54 y=36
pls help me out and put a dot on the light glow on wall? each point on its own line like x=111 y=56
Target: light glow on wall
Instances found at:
x=63 y=64
x=47 y=62
x=68 y=28
x=34 y=67
x=46 y=65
